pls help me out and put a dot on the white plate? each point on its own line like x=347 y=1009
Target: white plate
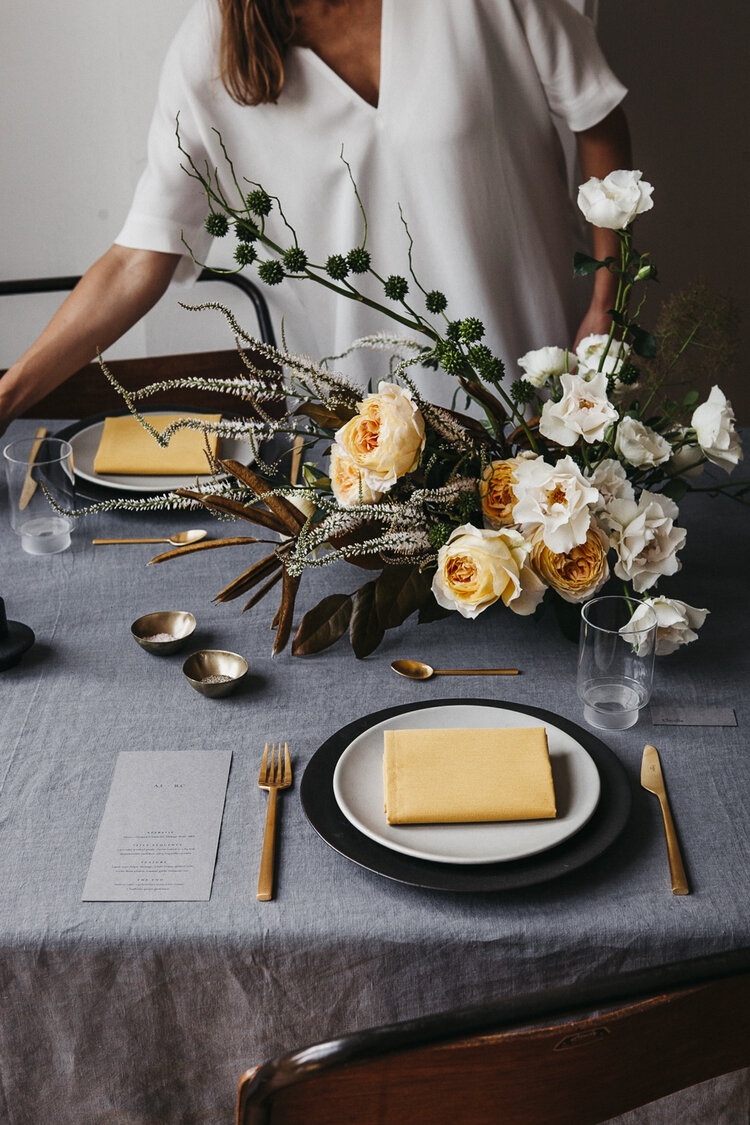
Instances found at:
x=86 y=442
x=358 y=788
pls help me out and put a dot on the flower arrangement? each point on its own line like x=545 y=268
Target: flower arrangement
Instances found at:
x=574 y=470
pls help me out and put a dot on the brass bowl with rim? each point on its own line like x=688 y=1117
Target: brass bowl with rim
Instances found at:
x=209 y=662
x=179 y=624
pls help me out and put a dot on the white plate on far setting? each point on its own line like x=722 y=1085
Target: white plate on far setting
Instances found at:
x=85 y=443
x=358 y=789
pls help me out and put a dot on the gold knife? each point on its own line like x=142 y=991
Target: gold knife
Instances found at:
x=29 y=485
x=652 y=779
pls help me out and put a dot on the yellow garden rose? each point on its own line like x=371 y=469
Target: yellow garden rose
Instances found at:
x=479 y=566
x=577 y=574
x=385 y=438
x=347 y=481
x=496 y=492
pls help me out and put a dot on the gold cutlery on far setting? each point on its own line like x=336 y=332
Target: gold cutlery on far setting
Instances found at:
x=29 y=485
x=416 y=670
x=271 y=778
x=179 y=539
x=652 y=779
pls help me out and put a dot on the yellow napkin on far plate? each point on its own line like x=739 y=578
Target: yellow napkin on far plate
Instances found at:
x=125 y=447
x=450 y=776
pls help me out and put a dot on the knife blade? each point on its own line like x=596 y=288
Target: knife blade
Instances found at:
x=652 y=779
x=29 y=485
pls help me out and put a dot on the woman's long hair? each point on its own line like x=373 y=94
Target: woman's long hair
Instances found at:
x=254 y=38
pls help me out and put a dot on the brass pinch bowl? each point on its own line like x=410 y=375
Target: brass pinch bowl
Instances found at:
x=209 y=662
x=177 y=623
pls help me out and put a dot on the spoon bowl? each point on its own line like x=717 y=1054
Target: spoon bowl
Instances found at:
x=179 y=539
x=417 y=670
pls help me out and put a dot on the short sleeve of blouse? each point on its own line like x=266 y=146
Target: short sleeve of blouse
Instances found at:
x=169 y=207
x=578 y=82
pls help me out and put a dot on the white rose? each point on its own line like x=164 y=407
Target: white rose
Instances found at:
x=583 y=411
x=676 y=622
x=713 y=422
x=385 y=438
x=610 y=480
x=543 y=364
x=616 y=200
x=591 y=349
x=555 y=499
x=478 y=566
x=347 y=481
x=645 y=538
x=641 y=446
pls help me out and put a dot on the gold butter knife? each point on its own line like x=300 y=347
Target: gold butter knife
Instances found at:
x=652 y=779
x=29 y=485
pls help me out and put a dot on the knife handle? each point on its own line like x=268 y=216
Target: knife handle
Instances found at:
x=676 y=868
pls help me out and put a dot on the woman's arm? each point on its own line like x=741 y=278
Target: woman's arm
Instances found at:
x=602 y=149
x=108 y=300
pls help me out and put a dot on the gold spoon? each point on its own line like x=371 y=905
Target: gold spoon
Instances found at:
x=416 y=670
x=178 y=540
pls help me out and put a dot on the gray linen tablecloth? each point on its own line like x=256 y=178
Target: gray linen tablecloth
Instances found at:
x=143 y=1013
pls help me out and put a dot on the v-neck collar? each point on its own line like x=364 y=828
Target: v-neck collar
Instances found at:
x=386 y=15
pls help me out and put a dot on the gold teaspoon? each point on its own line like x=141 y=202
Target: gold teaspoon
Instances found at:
x=180 y=539
x=416 y=670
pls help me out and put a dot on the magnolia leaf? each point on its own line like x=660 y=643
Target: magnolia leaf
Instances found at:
x=365 y=630
x=291 y=517
x=260 y=594
x=229 y=507
x=584 y=264
x=289 y=589
x=399 y=591
x=568 y=618
x=431 y=611
x=323 y=625
x=675 y=489
x=324 y=416
x=208 y=545
x=370 y=530
x=250 y=578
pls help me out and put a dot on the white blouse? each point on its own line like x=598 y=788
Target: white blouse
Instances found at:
x=462 y=138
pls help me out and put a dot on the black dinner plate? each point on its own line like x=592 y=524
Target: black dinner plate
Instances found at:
x=604 y=826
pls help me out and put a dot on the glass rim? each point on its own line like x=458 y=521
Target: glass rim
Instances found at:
x=629 y=601
x=65 y=452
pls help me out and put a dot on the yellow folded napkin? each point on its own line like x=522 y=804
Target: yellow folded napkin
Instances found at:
x=125 y=447
x=450 y=776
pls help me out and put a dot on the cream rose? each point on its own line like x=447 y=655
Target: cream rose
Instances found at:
x=347 y=481
x=385 y=438
x=713 y=422
x=496 y=491
x=615 y=201
x=645 y=538
x=583 y=411
x=479 y=566
x=543 y=364
x=577 y=574
x=611 y=482
x=555 y=500
x=676 y=623
x=591 y=355
x=641 y=446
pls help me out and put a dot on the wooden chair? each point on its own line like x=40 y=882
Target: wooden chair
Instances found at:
x=88 y=392
x=479 y=1066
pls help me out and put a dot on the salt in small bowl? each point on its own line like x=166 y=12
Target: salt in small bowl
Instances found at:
x=206 y=664
x=173 y=623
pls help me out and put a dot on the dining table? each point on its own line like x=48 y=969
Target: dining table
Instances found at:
x=146 y=1013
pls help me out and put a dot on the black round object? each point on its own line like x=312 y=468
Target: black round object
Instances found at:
x=15 y=640
x=606 y=823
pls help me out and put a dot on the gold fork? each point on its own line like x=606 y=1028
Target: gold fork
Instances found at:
x=272 y=781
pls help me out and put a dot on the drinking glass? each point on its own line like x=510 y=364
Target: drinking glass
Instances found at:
x=31 y=466
x=615 y=661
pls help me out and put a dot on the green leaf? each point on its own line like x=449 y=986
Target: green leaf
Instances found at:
x=644 y=344
x=323 y=625
x=399 y=591
x=365 y=630
x=584 y=264
x=675 y=489
x=691 y=398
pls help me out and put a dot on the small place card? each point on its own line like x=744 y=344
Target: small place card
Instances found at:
x=694 y=716
x=160 y=830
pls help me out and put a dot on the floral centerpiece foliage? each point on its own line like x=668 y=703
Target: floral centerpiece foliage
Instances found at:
x=574 y=471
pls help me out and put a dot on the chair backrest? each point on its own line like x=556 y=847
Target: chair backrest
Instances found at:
x=87 y=392
x=573 y=1071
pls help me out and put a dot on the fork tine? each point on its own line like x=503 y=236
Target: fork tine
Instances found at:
x=278 y=767
x=287 y=765
x=264 y=766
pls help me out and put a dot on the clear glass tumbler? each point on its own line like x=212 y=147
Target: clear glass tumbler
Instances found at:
x=615 y=661
x=36 y=470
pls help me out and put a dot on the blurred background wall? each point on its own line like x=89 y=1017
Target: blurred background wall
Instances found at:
x=78 y=83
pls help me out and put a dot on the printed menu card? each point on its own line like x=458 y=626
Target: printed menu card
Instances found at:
x=159 y=834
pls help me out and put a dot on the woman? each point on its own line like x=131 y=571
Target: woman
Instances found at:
x=443 y=108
